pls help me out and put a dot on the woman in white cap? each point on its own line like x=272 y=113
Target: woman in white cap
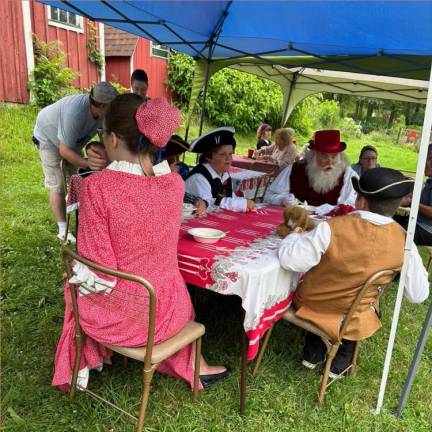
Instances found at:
x=210 y=179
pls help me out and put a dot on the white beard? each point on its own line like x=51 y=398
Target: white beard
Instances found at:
x=324 y=181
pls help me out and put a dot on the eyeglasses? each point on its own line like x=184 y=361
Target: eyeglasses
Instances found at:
x=369 y=158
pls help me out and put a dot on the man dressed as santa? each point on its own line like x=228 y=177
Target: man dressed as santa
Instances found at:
x=322 y=178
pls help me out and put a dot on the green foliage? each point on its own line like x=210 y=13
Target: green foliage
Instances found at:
x=327 y=115
x=93 y=53
x=302 y=117
x=242 y=100
x=50 y=79
x=349 y=128
x=180 y=76
x=119 y=87
x=233 y=98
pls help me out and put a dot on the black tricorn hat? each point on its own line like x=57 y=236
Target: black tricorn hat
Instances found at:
x=221 y=136
x=176 y=146
x=383 y=183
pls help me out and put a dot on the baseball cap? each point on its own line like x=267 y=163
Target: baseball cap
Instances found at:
x=103 y=92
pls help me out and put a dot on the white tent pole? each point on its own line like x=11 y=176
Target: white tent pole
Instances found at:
x=421 y=162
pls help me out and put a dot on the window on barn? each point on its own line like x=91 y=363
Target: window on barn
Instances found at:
x=160 y=51
x=64 y=19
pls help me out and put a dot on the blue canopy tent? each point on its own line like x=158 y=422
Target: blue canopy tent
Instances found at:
x=386 y=38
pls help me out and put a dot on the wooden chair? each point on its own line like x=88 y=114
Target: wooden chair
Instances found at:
x=151 y=354
x=262 y=185
x=375 y=282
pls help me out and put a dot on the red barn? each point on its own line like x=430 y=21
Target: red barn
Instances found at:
x=23 y=18
x=125 y=52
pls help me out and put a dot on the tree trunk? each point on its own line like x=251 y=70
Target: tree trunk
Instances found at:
x=391 y=116
x=369 y=111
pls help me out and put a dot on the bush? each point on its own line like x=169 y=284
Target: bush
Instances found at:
x=233 y=98
x=327 y=115
x=349 y=128
x=50 y=79
x=302 y=117
x=180 y=76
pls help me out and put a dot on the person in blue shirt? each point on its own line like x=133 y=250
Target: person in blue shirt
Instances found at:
x=423 y=232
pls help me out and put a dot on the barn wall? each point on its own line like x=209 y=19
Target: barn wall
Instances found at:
x=13 y=70
x=155 y=67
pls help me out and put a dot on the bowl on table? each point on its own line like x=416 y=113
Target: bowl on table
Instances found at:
x=206 y=235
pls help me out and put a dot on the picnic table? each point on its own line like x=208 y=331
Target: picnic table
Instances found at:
x=254 y=164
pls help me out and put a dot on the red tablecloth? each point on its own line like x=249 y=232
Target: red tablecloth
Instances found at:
x=254 y=165
x=244 y=263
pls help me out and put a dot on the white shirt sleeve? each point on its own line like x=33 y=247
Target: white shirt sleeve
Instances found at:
x=301 y=252
x=416 y=283
x=279 y=190
x=199 y=186
x=348 y=194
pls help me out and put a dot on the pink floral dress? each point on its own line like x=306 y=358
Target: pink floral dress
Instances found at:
x=131 y=223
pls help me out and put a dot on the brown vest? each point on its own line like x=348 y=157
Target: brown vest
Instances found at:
x=357 y=250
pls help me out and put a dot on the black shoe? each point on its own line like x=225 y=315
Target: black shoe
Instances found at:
x=208 y=380
x=314 y=351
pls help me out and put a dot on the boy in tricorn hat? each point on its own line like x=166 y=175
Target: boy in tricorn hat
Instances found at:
x=210 y=179
x=339 y=255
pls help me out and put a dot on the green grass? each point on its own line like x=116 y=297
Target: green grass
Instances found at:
x=281 y=398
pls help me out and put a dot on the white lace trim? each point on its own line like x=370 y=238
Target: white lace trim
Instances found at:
x=125 y=166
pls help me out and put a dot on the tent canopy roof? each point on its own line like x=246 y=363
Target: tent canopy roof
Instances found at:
x=380 y=37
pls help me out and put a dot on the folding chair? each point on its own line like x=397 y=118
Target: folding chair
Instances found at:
x=262 y=185
x=151 y=354
x=378 y=281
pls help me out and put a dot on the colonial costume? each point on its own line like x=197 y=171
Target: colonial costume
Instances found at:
x=204 y=182
x=295 y=182
x=338 y=257
x=127 y=223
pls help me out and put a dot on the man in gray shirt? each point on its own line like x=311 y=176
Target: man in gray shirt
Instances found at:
x=61 y=131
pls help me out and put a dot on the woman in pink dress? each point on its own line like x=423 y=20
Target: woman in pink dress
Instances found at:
x=130 y=221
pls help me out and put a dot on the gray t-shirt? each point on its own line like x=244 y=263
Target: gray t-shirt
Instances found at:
x=69 y=120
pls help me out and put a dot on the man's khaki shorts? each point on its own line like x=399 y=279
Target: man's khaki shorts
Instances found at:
x=50 y=160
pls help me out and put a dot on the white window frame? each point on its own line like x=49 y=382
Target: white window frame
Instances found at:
x=159 y=47
x=79 y=28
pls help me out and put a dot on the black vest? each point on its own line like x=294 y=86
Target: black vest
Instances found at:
x=219 y=190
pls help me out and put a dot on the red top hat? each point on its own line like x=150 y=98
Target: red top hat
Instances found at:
x=327 y=141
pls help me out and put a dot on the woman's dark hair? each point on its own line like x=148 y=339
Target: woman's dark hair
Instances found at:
x=365 y=149
x=139 y=75
x=204 y=157
x=120 y=119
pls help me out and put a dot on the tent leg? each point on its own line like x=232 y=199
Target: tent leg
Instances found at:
x=415 y=362
x=421 y=162
x=206 y=80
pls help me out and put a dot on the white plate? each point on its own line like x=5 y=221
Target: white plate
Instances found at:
x=206 y=235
